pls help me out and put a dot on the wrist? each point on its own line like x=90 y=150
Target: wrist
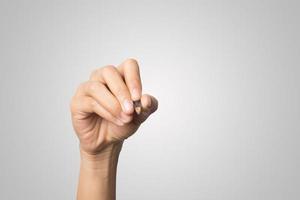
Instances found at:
x=98 y=171
x=104 y=160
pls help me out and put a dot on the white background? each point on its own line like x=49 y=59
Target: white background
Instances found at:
x=226 y=74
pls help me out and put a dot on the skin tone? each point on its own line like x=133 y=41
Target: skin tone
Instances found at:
x=103 y=116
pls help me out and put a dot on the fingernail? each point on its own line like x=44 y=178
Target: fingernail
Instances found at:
x=128 y=105
x=135 y=94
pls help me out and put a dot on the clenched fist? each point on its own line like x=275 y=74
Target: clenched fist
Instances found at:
x=102 y=109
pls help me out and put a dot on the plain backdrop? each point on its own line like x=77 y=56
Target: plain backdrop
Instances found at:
x=226 y=74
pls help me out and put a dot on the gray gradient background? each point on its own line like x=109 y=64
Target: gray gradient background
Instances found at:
x=226 y=74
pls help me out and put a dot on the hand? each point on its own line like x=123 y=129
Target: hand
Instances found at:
x=102 y=108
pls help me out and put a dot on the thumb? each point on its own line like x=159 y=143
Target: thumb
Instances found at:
x=149 y=105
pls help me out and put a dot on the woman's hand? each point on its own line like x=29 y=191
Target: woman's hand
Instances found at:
x=102 y=108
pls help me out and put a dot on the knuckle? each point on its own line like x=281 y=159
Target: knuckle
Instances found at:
x=116 y=109
x=131 y=61
x=108 y=69
x=135 y=83
x=93 y=104
x=122 y=92
x=94 y=74
x=81 y=88
x=93 y=86
x=73 y=105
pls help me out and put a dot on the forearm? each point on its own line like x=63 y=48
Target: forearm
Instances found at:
x=97 y=179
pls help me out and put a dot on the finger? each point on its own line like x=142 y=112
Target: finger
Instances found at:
x=102 y=95
x=102 y=112
x=131 y=73
x=87 y=105
x=110 y=76
x=149 y=106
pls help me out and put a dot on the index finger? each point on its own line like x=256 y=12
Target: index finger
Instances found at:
x=129 y=69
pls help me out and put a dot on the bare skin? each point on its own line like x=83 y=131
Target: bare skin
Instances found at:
x=103 y=116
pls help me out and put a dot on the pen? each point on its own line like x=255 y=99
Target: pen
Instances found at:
x=137 y=106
